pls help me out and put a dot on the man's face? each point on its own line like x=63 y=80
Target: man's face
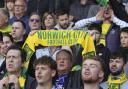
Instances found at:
x=13 y=61
x=35 y=22
x=91 y=71
x=17 y=31
x=6 y=44
x=64 y=63
x=116 y=66
x=63 y=21
x=107 y=13
x=44 y=73
x=19 y=7
x=124 y=39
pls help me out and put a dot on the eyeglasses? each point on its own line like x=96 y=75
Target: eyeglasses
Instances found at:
x=35 y=20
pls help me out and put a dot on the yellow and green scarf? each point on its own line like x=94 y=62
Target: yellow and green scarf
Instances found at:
x=22 y=77
x=114 y=83
x=58 y=38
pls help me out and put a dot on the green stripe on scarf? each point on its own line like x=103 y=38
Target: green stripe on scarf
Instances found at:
x=22 y=77
x=115 y=82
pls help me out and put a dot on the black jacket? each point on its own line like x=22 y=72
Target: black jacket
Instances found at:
x=104 y=53
x=119 y=10
x=75 y=80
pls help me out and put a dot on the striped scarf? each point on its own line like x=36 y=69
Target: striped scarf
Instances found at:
x=115 y=82
x=22 y=77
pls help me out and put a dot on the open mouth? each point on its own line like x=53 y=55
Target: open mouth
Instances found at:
x=106 y=13
x=113 y=68
x=39 y=77
x=61 y=65
x=10 y=65
x=13 y=34
x=87 y=73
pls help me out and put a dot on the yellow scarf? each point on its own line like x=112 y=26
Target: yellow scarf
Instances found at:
x=22 y=82
x=105 y=30
x=115 y=83
x=58 y=38
x=22 y=77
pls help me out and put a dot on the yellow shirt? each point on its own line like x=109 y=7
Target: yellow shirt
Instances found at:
x=105 y=29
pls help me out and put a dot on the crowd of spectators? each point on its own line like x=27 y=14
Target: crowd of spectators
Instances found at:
x=64 y=67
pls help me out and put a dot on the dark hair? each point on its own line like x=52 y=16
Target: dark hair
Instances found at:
x=45 y=16
x=96 y=58
x=35 y=13
x=95 y=26
x=46 y=60
x=8 y=35
x=20 y=21
x=116 y=55
x=67 y=52
x=125 y=29
x=62 y=12
x=22 y=52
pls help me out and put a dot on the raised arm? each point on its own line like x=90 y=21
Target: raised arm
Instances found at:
x=84 y=22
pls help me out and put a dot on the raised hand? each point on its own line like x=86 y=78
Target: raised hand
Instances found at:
x=14 y=79
x=112 y=14
x=33 y=32
x=99 y=15
x=4 y=83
